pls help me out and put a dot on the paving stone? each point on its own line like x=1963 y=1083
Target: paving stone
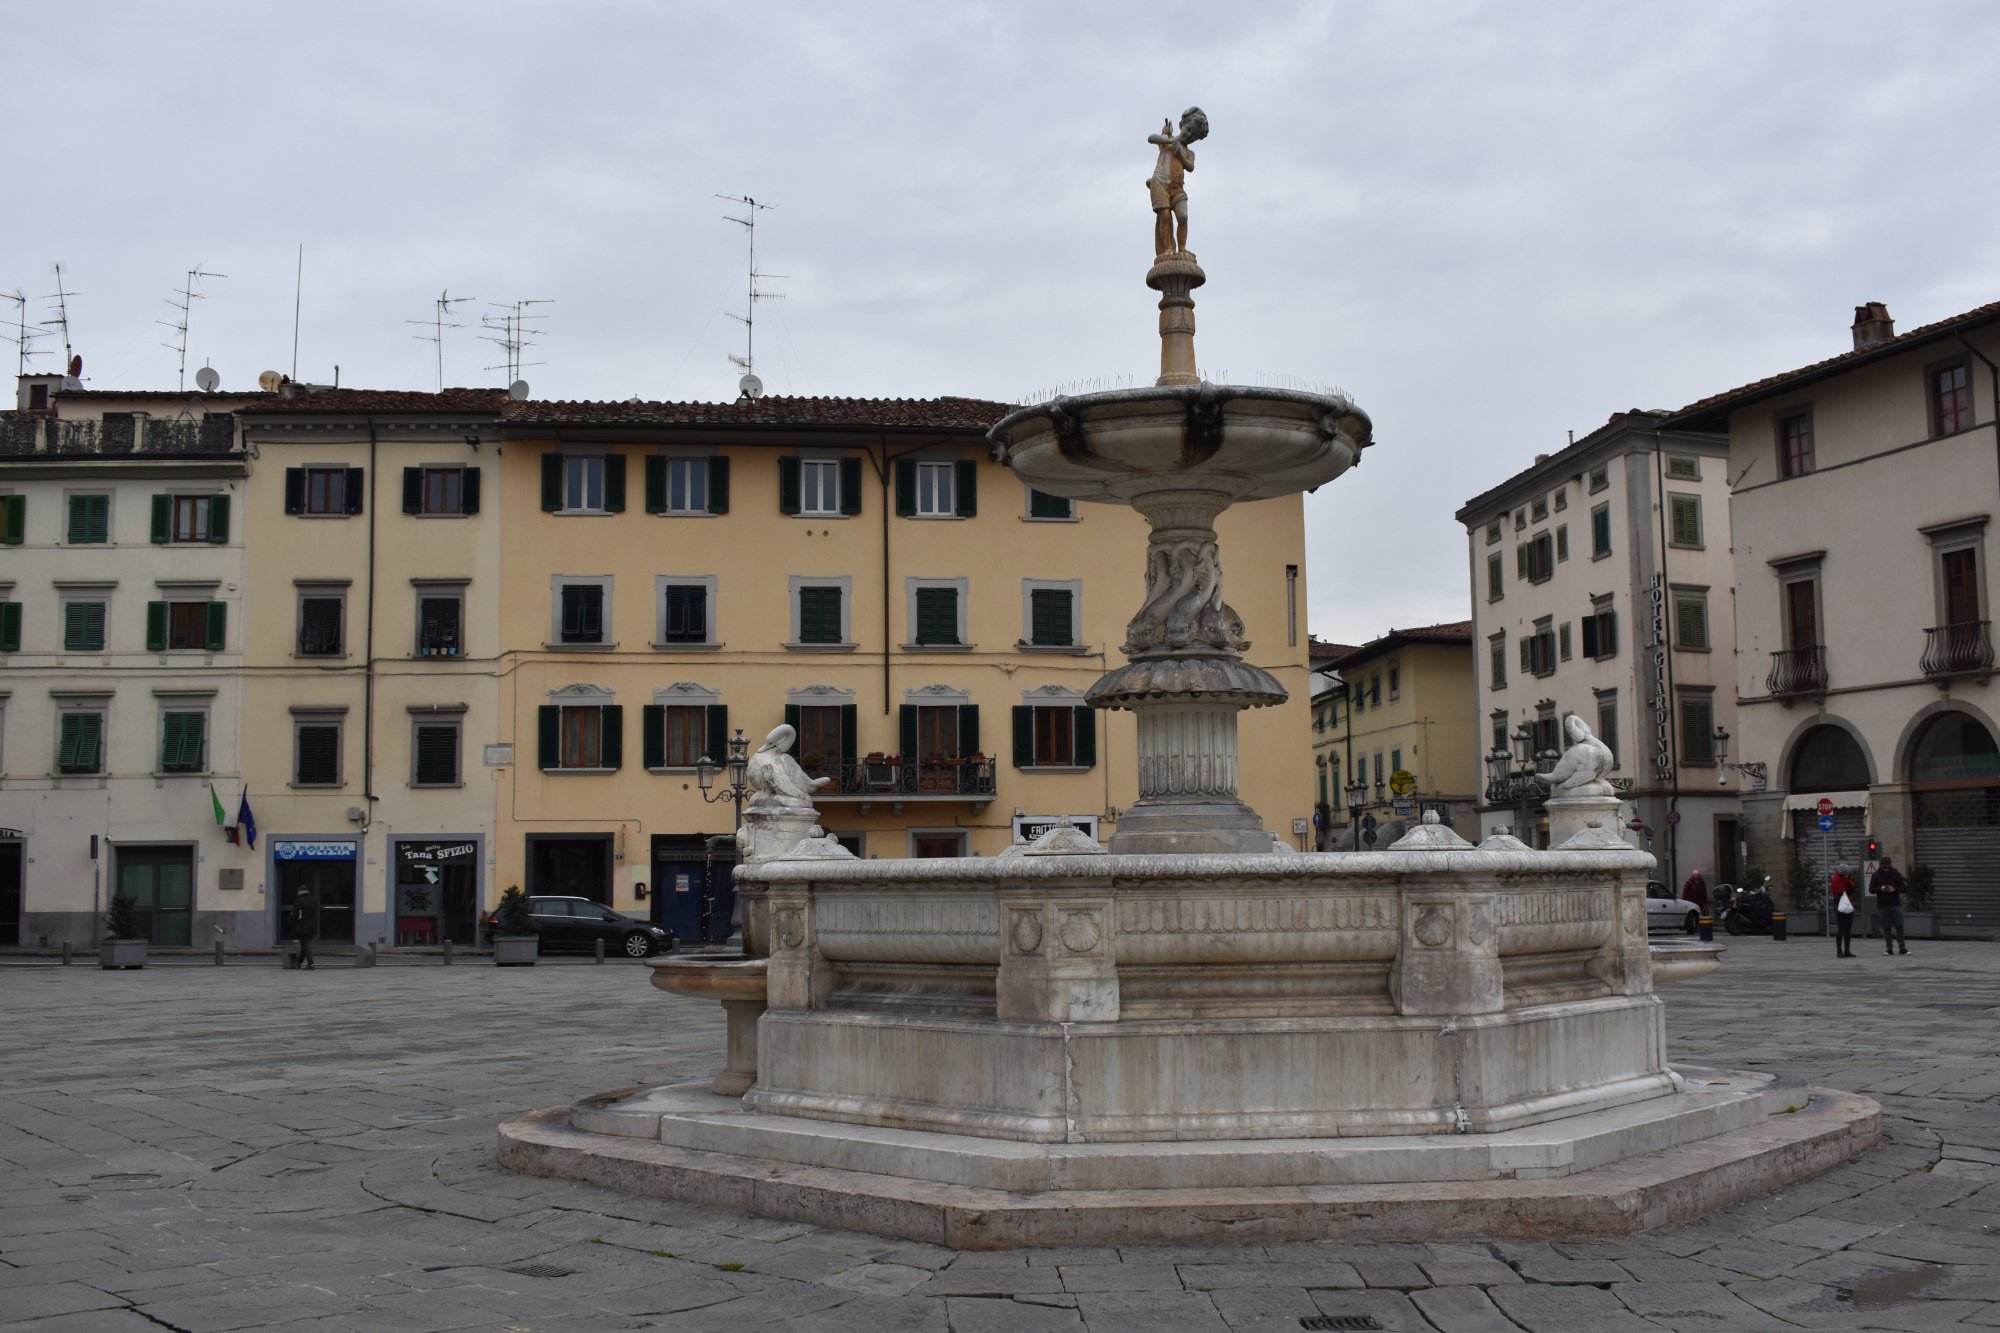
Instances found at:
x=1693 y=1305
x=1392 y=1309
x=1467 y=1272
x=1672 y=1268
x=880 y=1279
x=1577 y=1272
x=1214 y=1277
x=973 y=1315
x=1149 y=1312
x=1270 y=1309
x=1120 y=1277
x=1818 y=1233
x=1462 y=1310
x=1399 y=1274
x=1567 y=1309
x=989 y=1281
x=54 y=1298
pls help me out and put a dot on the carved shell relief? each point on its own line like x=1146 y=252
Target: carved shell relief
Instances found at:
x=1080 y=932
x=1026 y=931
x=1433 y=926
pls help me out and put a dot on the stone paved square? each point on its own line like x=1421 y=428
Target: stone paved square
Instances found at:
x=196 y=1148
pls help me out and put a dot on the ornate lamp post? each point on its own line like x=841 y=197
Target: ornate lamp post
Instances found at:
x=1513 y=776
x=1754 y=771
x=704 y=773
x=1357 y=798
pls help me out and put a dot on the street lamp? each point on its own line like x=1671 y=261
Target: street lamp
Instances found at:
x=739 y=760
x=1754 y=771
x=1513 y=775
x=1357 y=797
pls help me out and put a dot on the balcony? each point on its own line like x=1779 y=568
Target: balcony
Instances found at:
x=1798 y=671
x=1964 y=649
x=119 y=436
x=891 y=778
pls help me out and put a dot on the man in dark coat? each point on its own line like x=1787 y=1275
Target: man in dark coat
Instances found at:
x=305 y=909
x=1887 y=886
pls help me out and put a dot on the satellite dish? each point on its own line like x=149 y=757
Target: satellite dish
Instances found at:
x=751 y=386
x=518 y=391
x=206 y=379
x=269 y=381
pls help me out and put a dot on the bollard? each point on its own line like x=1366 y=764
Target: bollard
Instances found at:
x=218 y=953
x=600 y=951
x=1777 y=925
x=65 y=953
x=365 y=955
x=1706 y=931
x=447 y=951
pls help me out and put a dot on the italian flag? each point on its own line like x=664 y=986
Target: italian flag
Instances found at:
x=221 y=819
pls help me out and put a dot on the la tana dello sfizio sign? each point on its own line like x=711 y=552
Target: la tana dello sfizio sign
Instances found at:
x=1663 y=704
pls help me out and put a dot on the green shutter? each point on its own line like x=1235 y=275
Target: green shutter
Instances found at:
x=850 y=723
x=792 y=717
x=170 y=742
x=552 y=482
x=81 y=736
x=89 y=519
x=1590 y=636
x=355 y=490
x=218 y=520
x=906 y=487
x=718 y=732
x=788 y=485
x=718 y=485
x=1607 y=633
x=1043 y=505
x=1024 y=736
x=937 y=615
x=819 y=615
x=1686 y=520
x=218 y=627
x=656 y=484
x=1086 y=737
x=653 y=734
x=906 y=733
x=69 y=737
x=156 y=627
x=1694 y=623
x=968 y=488
x=611 y=744
x=13 y=519
x=850 y=485
x=163 y=519
x=548 y=734
x=295 y=490
x=468 y=492
x=413 y=490
x=1050 y=618
x=10 y=627
x=968 y=730
x=614 y=483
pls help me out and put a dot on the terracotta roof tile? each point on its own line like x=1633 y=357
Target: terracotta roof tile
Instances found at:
x=884 y=413
x=481 y=401
x=1832 y=365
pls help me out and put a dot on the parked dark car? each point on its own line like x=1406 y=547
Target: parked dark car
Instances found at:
x=578 y=923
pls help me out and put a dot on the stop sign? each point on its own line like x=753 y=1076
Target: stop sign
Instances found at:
x=1825 y=806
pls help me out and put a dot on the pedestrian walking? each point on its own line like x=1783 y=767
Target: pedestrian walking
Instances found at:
x=305 y=910
x=1696 y=891
x=1887 y=886
x=1842 y=889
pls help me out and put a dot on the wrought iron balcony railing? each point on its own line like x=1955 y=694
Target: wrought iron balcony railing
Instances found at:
x=1798 y=671
x=894 y=778
x=1963 y=649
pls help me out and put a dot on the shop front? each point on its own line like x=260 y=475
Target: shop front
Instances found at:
x=331 y=868
x=11 y=861
x=437 y=890
x=160 y=882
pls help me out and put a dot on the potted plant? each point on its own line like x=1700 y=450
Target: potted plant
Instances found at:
x=123 y=946
x=514 y=939
x=1917 y=888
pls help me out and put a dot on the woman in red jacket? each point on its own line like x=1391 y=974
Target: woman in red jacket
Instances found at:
x=1841 y=891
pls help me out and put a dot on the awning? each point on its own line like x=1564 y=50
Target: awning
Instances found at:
x=1809 y=801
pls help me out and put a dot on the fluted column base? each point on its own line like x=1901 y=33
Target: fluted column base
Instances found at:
x=1187 y=781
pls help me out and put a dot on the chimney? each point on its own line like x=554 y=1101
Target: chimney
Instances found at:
x=1872 y=325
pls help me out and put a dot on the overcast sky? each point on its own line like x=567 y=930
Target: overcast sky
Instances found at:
x=1491 y=223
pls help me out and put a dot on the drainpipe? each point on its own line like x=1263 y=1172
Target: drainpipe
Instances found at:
x=368 y=649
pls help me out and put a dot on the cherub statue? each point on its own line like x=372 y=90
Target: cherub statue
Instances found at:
x=1168 y=181
x=775 y=779
x=1581 y=770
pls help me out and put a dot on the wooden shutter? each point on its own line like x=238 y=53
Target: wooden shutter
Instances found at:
x=552 y=482
x=819 y=615
x=468 y=491
x=1528 y=654
x=791 y=720
x=1024 y=736
x=13 y=519
x=437 y=756
x=1086 y=736
x=218 y=520
x=548 y=736
x=850 y=485
x=906 y=487
x=1050 y=616
x=656 y=484
x=10 y=627
x=170 y=742
x=788 y=485
x=1686 y=520
x=356 y=489
x=413 y=490
x=295 y=490
x=967 y=498
x=156 y=627
x=968 y=730
x=850 y=726
x=653 y=733
x=718 y=485
x=218 y=626
x=163 y=519
x=937 y=615
x=718 y=732
x=611 y=737
x=1693 y=615
x=1607 y=633
x=906 y=732
x=614 y=483
x=1044 y=505
x=1590 y=636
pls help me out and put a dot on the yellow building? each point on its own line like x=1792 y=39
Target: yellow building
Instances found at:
x=1401 y=703
x=676 y=573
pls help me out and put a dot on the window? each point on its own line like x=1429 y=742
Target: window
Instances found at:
x=322 y=622
x=1053 y=613
x=945 y=488
x=685 y=612
x=935 y=491
x=581 y=736
x=80 y=742
x=434 y=754
x=1600 y=630
x=1562 y=543
x=683 y=725
x=13 y=519
x=1684 y=520
x=819 y=486
x=823 y=741
x=1691 y=619
x=83 y=626
x=677 y=485
x=824 y=487
x=89 y=520
x=10 y=627
x=1395 y=762
x=1607 y=722
x=190 y=519
x=1375 y=689
x=323 y=491
x=1562 y=641
x=1562 y=498
x=316 y=752
x=183 y=741
x=1958 y=574
x=1493 y=532
x=1396 y=684
x=582 y=612
x=1495 y=585
x=1795 y=445
x=1381 y=770
x=1538 y=650
x=1801 y=613
x=687 y=485
x=1600 y=479
x=1496 y=661
x=1359 y=704
x=583 y=485
x=440 y=624
x=937 y=616
x=1683 y=469
x=1600 y=531
x=1547 y=733
x=1041 y=505
x=937 y=733
x=1499 y=736
x=819 y=614
x=440 y=490
x=199 y=626
x=1534 y=560
x=1520 y=519
x=1697 y=728
x=1361 y=770
x=1539 y=510
x=683 y=735
x=1951 y=399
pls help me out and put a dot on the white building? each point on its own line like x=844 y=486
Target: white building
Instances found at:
x=1864 y=491
x=1601 y=584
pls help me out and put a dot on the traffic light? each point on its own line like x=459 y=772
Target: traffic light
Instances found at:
x=1874 y=849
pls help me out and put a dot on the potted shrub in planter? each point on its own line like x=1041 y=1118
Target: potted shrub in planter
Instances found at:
x=123 y=945
x=514 y=939
x=1918 y=919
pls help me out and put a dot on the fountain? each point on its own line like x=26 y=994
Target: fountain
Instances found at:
x=1194 y=1033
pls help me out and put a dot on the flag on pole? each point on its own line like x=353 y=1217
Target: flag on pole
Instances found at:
x=246 y=822
x=221 y=819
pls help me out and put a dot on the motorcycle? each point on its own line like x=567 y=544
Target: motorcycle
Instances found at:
x=1747 y=910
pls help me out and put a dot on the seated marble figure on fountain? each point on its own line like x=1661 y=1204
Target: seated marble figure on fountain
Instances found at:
x=1581 y=770
x=779 y=810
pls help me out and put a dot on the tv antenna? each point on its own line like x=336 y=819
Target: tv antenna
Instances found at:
x=750 y=385
x=438 y=324
x=188 y=296
x=510 y=332
x=72 y=363
x=23 y=338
